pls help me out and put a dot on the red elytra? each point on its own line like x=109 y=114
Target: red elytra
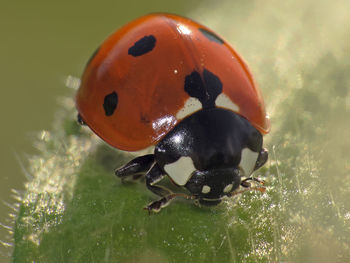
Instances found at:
x=150 y=87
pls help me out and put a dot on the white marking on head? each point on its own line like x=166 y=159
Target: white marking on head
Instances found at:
x=228 y=188
x=248 y=161
x=205 y=189
x=191 y=105
x=225 y=102
x=181 y=170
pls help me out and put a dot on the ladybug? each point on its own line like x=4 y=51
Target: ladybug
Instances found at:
x=169 y=82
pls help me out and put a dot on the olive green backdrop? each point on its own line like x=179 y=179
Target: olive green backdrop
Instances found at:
x=41 y=43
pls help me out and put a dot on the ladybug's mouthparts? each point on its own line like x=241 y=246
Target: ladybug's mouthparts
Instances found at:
x=214 y=183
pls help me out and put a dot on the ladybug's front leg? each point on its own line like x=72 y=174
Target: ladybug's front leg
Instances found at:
x=248 y=187
x=245 y=183
x=136 y=167
x=154 y=175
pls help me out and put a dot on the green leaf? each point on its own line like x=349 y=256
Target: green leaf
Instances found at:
x=75 y=210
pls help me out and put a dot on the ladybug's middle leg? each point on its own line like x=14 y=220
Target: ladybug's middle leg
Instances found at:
x=136 y=167
x=154 y=175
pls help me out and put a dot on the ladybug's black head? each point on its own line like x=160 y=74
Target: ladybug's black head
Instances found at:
x=211 y=185
x=209 y=151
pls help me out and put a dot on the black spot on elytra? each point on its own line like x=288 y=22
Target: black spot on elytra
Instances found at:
x=213 y=84
x=205 y=89
x=194 y=86
x=93 y=55
x=110 y=103
x=211 y=36
x=142 y=46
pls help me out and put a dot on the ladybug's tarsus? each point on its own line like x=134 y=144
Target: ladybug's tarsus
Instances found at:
x=156 y=206
x=246 y=184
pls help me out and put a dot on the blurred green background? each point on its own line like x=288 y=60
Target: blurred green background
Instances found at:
x=299 y=53
x=41 y=43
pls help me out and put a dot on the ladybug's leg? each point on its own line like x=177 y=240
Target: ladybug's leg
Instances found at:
x=161 y=203
x=254 y=188
x=136 y=167
x=154 y=176
x=246 y=184
x=262 y=158
x=80 y=120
